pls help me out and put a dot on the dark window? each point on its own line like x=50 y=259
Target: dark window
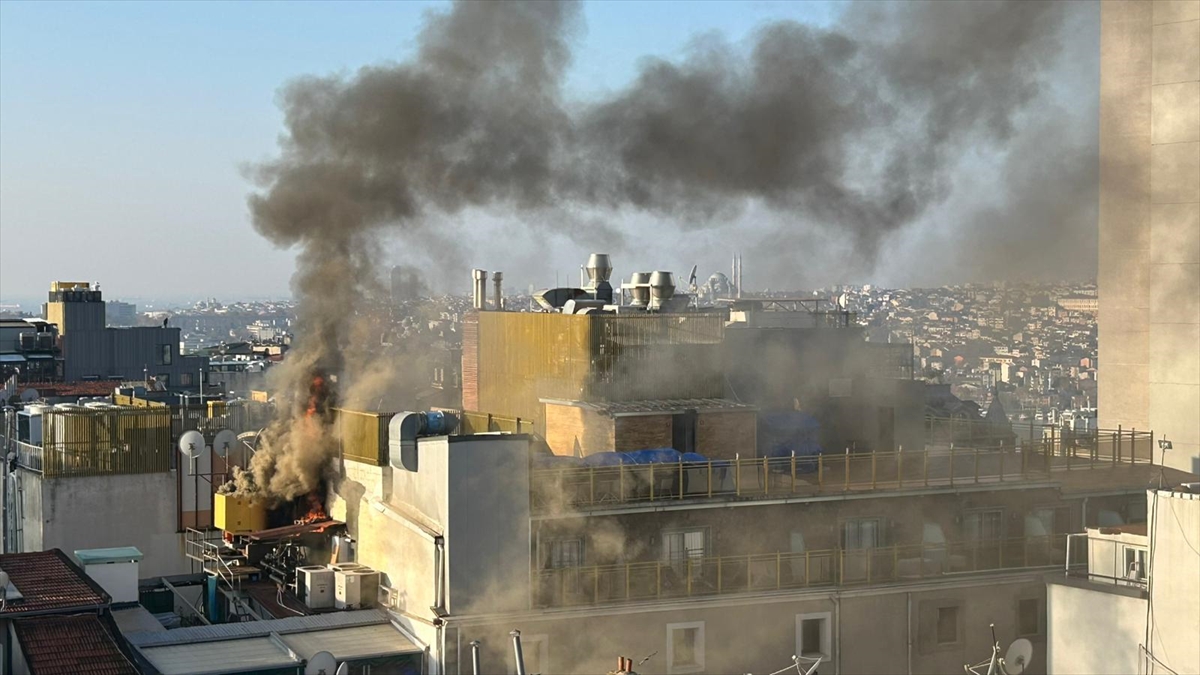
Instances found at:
x=810 y=636
x=185 y=379
x=984 y=525
x=947 y=625
x=1029 y=617
x=684 y=642
x=861 y=533
x=164 y=379
x=167 y=354
x=566 y=553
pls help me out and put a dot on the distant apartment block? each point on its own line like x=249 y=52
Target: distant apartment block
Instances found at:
x=121 y=314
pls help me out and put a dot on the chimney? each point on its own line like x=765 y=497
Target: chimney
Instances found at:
x=479 y=298
x=497 y=280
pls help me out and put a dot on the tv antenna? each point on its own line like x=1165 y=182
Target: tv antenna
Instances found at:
x=803 y=665
x=191 y=444
x=322 y=663
x=1015 y=661
x=223 y=442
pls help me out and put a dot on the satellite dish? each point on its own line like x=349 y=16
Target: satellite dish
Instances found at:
x=321 y=663
x=223 y=441
x=1017 y=658
x=250 y=439
x=30 y=394
x=343 y=669
x=191 y=443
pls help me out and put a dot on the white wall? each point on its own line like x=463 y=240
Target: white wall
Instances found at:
x=111 y=511
x=1093 y=632
x=1175 y=579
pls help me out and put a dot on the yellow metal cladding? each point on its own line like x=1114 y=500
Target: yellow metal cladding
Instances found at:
x=106 y=441
x=237 y=514
x=524 y=357
x=363 y=436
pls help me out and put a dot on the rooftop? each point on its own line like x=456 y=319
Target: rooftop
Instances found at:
x=48 y=581
x=71 y=645
x=614 y=408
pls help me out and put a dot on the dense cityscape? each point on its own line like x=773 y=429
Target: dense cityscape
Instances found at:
x=420 y=458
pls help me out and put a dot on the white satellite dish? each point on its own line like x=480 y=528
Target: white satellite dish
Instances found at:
x=191 y=443
x=1018 y=656
x=343 y=669
x=223 y=441
x=321 y=663
x=30 y=394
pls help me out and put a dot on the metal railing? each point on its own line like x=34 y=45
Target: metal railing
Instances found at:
x=724 y=575
x=1084 y=560
x=773 y=477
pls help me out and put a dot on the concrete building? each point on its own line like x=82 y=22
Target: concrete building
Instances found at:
x=1149 y=274
x=30 y=350
x=91 y=350
x=1132 y=603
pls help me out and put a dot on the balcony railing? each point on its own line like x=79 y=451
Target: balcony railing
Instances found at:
x=725 y=575
x=776 y=477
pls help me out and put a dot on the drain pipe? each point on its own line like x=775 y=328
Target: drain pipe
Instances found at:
x=475 y=657
x=520 y=656
x=837 y=633
x=908 y=597
x=439 y=566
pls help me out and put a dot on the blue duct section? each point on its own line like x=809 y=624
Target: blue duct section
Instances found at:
x=782 y=434
x=212 y=599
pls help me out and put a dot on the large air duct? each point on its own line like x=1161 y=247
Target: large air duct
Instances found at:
x=662 y=288
x=479 y=295
x=599 y=270
x=640 y=289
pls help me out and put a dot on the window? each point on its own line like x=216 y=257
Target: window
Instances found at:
x=535 y=649
x=566 y=553
x=813 y=636
x=185 y=379
x=685 y=647
x=1048 y=521
x=166 y=355
x=947 y=625
x=682 y=546
x=984 y=525
x=1029 y=617
x=1135 y=563
x=860 y=533
x=163 y=379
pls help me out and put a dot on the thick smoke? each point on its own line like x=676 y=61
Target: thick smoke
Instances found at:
x=853 y=130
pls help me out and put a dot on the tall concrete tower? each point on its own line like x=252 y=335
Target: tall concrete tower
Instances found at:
x=1149 y=273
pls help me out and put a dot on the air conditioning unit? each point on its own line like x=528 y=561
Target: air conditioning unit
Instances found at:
x=316 y=586
x=355 y=589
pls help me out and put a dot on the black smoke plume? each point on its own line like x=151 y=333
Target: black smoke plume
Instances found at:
x=855 y=129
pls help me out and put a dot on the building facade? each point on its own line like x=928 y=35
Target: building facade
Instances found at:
x=1149 y=274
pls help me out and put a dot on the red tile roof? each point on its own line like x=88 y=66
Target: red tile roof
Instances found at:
x=81 y=388
x=48 y=582
x=71 y=645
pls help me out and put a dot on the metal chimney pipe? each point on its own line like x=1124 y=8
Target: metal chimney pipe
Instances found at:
x=479 y=297
x=497 y=281
x=475 y=657
x=520 y=656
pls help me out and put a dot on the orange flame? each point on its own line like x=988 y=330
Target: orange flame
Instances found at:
x=316 y=511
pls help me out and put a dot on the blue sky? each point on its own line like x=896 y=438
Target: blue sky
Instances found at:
x=123 y=125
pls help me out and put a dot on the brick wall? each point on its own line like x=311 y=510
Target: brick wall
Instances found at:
x=568 y=425
x=640 y=432
x=721 y=435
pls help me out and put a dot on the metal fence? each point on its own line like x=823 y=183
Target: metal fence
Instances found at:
x=768 y=477
x=723 y=575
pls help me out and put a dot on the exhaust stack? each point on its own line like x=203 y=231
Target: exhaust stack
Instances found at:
x=479 y=297
x=497 y=282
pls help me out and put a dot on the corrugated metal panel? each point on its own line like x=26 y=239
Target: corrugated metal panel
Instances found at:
x=363 y=435
x=234 y=656
x=525 y=357
x=346 y=644
x=227 y=631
